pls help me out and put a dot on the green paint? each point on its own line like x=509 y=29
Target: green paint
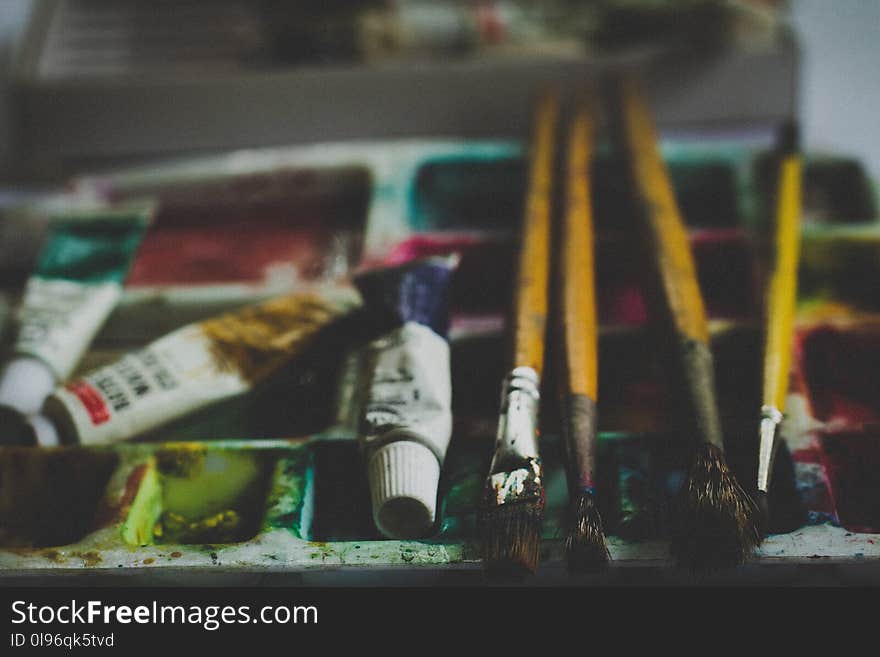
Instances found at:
x=93 y=248
x=290 y=498
x=193 y=494
x=137 y=528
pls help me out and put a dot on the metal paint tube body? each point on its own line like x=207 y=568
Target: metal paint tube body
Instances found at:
x=76 y=285
x=406 y=416
x=192 y=367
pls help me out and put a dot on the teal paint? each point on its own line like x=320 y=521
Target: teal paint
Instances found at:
x=476 y=189
x=95 y=248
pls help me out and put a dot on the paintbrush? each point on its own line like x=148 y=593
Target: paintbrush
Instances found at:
x=780 y=310
x=585 y=539
x=716 y=519
x=513 y=506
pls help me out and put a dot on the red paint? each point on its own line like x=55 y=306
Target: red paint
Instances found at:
x=622 y=305
x=132 y=485
x=233 y=251
x=851 y=460
x=429 y=244
x=838 y=370
x=235 y=230
x=492 y=26
x=92 y=400
x=809 y=455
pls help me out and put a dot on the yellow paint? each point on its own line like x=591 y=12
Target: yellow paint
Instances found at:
x=258 y=339
x=533 y=273
x=145 y=508
x=666 y=228
x=782 y=291
x=578 y=260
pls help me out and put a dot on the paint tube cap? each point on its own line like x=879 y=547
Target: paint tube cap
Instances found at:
x=25 y=384
x=44 y=431
x=404 y=477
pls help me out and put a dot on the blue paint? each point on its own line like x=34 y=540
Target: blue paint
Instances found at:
x=417 y=291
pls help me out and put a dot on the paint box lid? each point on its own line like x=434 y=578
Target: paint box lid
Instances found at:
x=404 y=477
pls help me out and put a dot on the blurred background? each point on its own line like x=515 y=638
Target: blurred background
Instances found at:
x=88 y=82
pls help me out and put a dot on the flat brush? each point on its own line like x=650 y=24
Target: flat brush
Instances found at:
x=585 y=540
x=716 y=521
x=779 y=311
x=513 y=508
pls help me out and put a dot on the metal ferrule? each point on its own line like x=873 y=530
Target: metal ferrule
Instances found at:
x=770 y=419
x=517 y=438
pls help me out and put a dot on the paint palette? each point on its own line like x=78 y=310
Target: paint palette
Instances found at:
x=271 y=488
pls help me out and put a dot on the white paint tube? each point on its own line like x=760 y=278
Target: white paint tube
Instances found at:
x=76 y=285
x=406 y=408
x=189 y=369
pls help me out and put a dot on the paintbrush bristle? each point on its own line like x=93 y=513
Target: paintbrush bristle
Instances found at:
x=585 y=544
x=717 y=524
x=513 y=513
x=512 y=539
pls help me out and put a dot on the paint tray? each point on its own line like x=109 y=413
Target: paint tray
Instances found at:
x=259 y=498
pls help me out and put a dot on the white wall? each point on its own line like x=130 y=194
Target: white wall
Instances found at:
x=840 y=79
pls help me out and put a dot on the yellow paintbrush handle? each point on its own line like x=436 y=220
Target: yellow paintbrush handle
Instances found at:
x=782 y=291
x=578 y=261
x=533 y=272
x=666 y=227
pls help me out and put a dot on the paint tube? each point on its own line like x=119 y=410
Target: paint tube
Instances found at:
x=406 y=409
x=189 y=368
x=76 y=285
